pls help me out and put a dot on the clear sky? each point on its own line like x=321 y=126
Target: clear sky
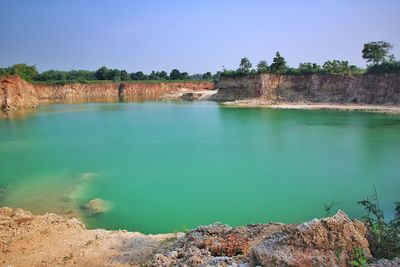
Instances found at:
x=193 y=36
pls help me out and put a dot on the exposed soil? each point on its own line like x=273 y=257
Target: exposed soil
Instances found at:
x=53 y=240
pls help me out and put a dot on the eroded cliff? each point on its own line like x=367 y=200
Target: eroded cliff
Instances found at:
x=16 y=93
x=364 y=89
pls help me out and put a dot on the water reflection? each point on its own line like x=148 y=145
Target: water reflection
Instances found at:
x=47 y=104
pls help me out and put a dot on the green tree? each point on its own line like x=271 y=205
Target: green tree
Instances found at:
x=114 y=75
x=207 y=76
x=376 y=52
x=102 y=73
x=80 y=75
x=124 y=75
x=5 y=71
x=278 y=64
x=245 y=65
x=338 y=67
x=154 y=75
x=262 y=66
x=184 y=76
x=26 y=72
x=309 y=68
x=138 y=76
x=175 y=74
x=216 y=76
x=52 y=75
x=163 y=75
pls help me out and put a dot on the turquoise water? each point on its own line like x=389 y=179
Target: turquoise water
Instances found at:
x=164 y=166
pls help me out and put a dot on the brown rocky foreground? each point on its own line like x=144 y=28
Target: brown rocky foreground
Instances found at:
x=53 y=240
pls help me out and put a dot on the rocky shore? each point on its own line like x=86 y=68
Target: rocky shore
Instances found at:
x=259 y=103
x=53 y=240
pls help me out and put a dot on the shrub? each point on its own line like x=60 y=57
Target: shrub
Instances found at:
x=389 y=66
x=384 y=237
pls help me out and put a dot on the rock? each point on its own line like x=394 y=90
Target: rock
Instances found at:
x=191 y=96
x=325 y=242
x=161 y=260
x=96 y=206
x=395 y=262
x=215 y=245
x=173 y=254
x=21 y=216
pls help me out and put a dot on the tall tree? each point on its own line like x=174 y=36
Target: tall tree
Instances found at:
x=138 y=76
x=245 y=65
x=376 y=52
x=207 y=76
x=175 y=74
x=184 y=76
x=101 y=74
x=124 y=75
x=278 y=64
x=262 y=66
x=163 y=75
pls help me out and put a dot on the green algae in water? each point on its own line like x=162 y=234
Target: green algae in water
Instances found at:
x=165 y=165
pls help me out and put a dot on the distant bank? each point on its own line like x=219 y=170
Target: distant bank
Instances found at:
x=371 y=92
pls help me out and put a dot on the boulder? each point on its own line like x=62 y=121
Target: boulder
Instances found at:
x=96 y=206
x=191 y=96
x=320 y=242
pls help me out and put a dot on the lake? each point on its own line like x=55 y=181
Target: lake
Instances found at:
x=166 y=166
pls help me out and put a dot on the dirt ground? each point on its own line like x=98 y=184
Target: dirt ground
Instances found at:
x=52 y=240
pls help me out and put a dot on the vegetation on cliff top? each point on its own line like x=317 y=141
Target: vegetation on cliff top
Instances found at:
x=103 y=74
x=377 y=55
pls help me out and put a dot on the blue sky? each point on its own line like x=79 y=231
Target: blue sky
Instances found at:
x=193 y=36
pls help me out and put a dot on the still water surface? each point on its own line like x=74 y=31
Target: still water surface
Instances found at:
x=165 y=166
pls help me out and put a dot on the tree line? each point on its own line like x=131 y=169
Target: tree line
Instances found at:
x=30 y=73
x=377 y=55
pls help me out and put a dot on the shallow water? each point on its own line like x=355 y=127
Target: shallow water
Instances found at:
x=165 y=166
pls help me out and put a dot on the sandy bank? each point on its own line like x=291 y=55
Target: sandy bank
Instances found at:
x=314 y=106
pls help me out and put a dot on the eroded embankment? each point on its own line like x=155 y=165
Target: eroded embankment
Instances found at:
x=376 y=89
x=16 y=93
x=53 y=240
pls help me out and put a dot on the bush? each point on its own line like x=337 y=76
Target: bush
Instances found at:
x=26 y=72
x=384 y=237
x=389 y=66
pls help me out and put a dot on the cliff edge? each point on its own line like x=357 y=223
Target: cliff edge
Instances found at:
x=15 y=93
x=370 y=89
